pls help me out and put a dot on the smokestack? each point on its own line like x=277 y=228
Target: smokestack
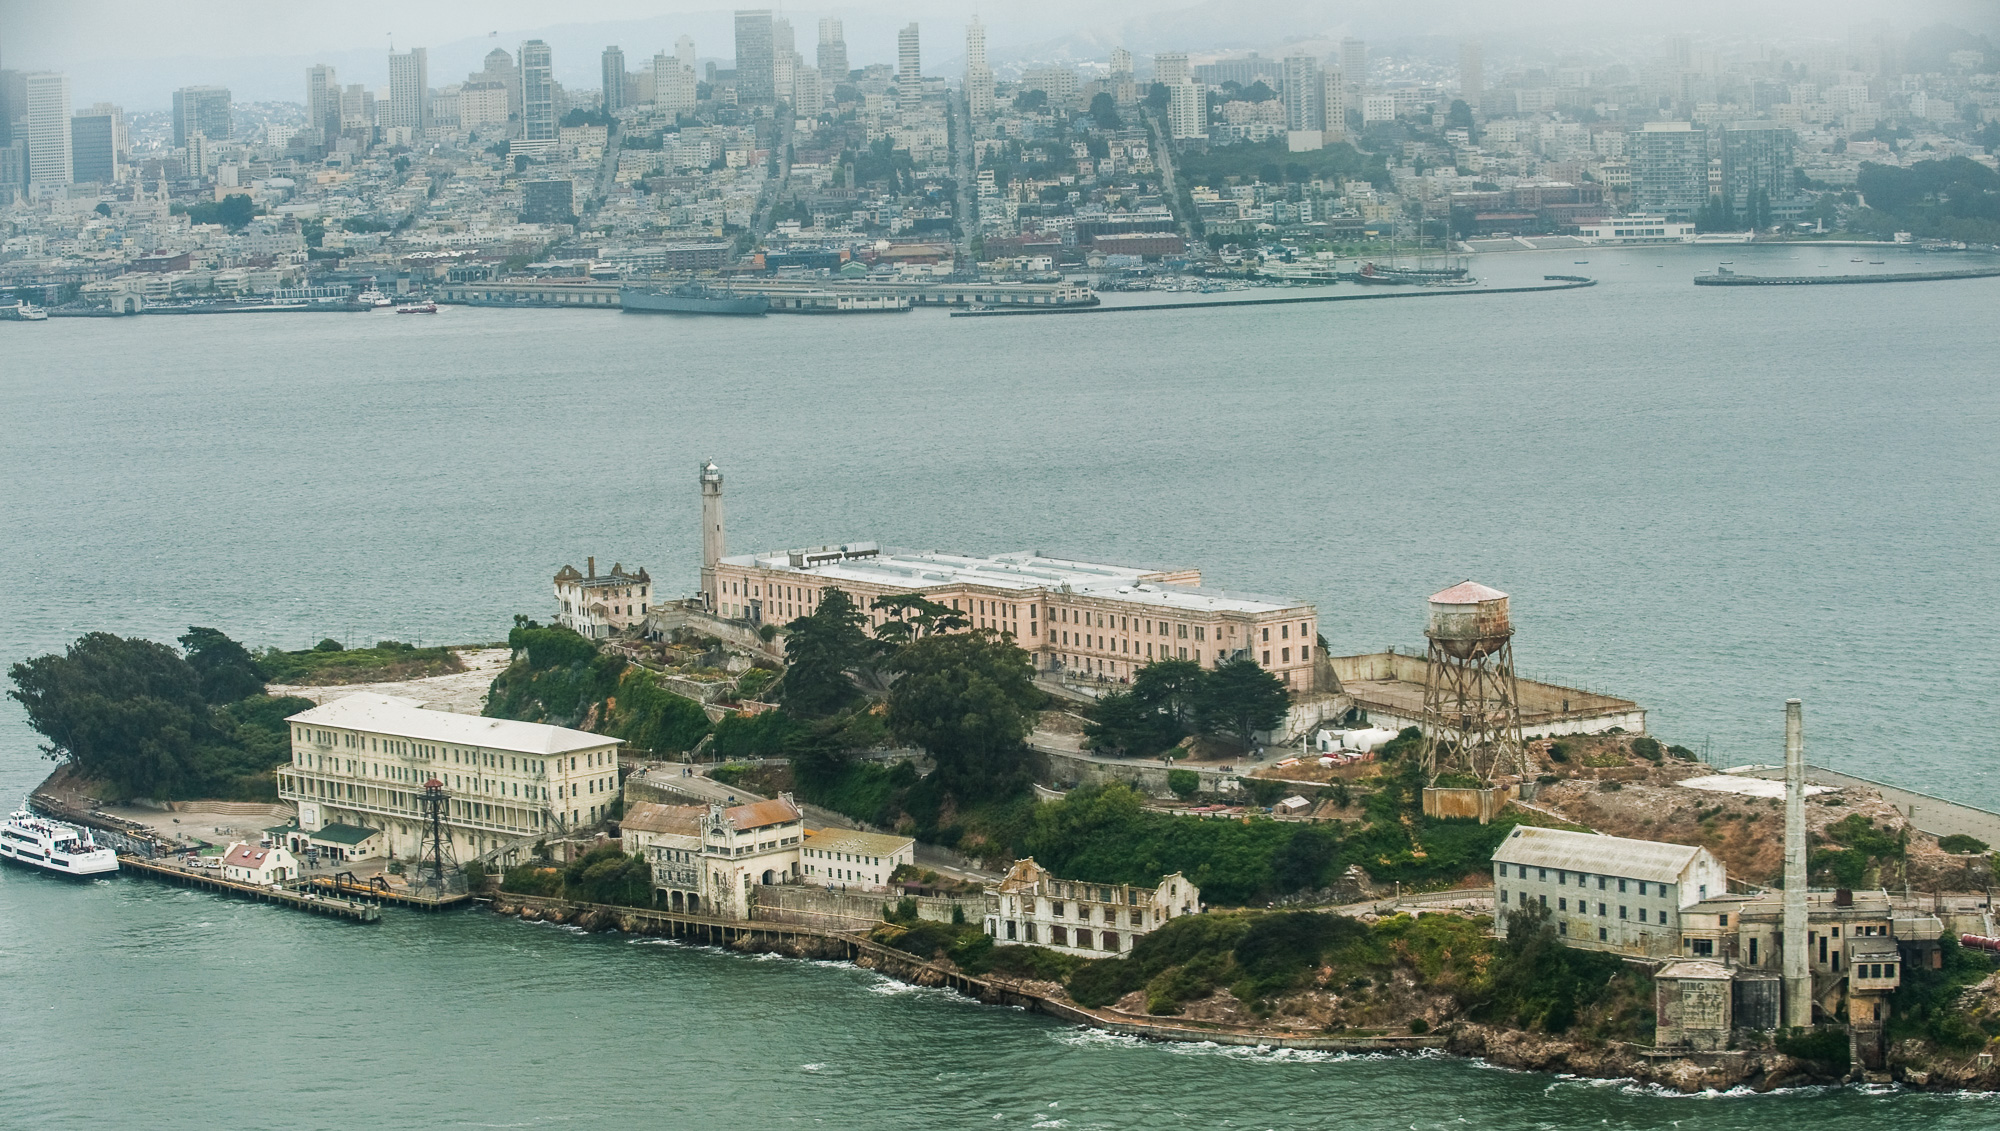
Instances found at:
x=592 y=564
x=1797 y=974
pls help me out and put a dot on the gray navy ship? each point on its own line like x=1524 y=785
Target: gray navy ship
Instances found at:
x=690 y=298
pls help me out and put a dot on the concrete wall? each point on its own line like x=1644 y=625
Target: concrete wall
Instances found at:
x=1148 y=777
x=807 y=906
x=1933 y=815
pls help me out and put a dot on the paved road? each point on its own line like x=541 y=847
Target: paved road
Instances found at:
x=1163 y=150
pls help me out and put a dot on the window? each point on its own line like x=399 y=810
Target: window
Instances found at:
x=1642 y=914
x=1753 y=952
x=1562 y=905
x=1621 y=911
x=1600 y=883
x=1600 y=910
x=1603 y=934
x=1562 y=877
x=1542 y=874
x=1621 y=885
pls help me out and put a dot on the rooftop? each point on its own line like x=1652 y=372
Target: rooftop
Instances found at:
x=343 y=834
x=1021 y=571
x=1596 y=855
x=653 y=817
x=761 y=813
x=858 y=843
x=408 y=718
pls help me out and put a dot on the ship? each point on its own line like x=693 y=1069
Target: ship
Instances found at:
x=425 y=307
x=1372 y=274
x=25 y=312
x=53 y=847
x=373 y=300
x=690 y=298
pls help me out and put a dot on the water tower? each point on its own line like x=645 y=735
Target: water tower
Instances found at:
x=1472 y=706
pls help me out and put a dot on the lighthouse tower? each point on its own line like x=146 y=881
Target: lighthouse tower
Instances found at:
x=711 y=530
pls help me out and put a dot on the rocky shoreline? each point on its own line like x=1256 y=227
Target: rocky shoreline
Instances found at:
x=1755 y=1070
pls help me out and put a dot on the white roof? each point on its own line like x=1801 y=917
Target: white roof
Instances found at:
x=408 y=718
x=1597 y=855
x=1022 y=572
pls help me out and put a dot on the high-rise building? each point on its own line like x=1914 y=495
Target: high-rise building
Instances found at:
x=202 y=108
x=1757 y=169
x=614 y=80
x=538 y=91
x=323 y=99
x=1333 y=105
x=409 y=92
x=13 y=102
x=97 y=145
x=1669 y=168
x=499 y=67
x=808 y=96
x=784 y=60
x=756 y=64
x=674 y=83
x=832 y=54
x=1300 y=88
x=48 y=131
x=1121 y=65
x=909 y=69
x=978 y=76
x=1171 y=68
x=1354 y=61
x=1471 y=73
x=1187 y=109
x=357 y=107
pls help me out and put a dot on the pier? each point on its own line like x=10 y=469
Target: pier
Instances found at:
x=420 y=898
x=336 y=906
x=1555 y=283
x=1727 y=278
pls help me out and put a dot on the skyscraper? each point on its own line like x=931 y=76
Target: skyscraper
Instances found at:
x=684 y=51
x=755 y=65
x=808 y=96
x=909 y=69
x=499 y=67
x=13 y=101
x=1299 y=78
x=410 y=92
x=201 y=108
x=1121 y=65
x=978 y=76
x=614 y=80
x=673 y=81
x=1669 y=164
x=96 y=144
x=832 y=53
x=783 y=59
x=1354 y=61
x=1171 y=68
x=1333 y=105
x=48 y=131
x=1187 y=109
x=1757 y=169
x=1471 y=73
x=323 y=100
x=538 y=92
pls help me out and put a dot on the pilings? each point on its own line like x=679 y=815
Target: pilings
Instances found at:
x=351 y=909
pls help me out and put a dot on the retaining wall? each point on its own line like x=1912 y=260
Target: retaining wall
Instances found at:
x=850 y=910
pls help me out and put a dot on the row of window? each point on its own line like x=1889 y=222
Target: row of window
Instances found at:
x=456 y=755
x=1583 y=879
x=1582 y=906
x=1062 y=936
x=845 y=857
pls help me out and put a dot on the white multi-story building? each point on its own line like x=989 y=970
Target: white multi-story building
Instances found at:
x=1187 y=111
x=745 y=846
x=673 y=85
x=909 y=68
x=1637 y=228
x=845 y=858
x=1031 y=907
x=1604 y=892
x=363 y=760
x=978 y=76
x=48 y=115
x=409 y=92
x=597 y=607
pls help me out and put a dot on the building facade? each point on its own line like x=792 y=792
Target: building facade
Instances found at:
x=1668 y=164
x=203 y=110
x=756 y=57
x=845 y=858
x=599 y=607
x=745 y=846
x=364 y=760
x=1604 y=892
x=49 y=131
x=538 y=92
x=1030 y=906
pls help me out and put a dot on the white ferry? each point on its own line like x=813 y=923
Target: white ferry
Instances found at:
x=53 y=846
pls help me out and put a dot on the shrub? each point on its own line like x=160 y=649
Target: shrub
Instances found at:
x=1825 y=1049
x=1559 y=751
x=1184 y=783
x=1419 y=1026
x=1034 y=963
x=1098 y=984
x=1962 y=845
x=1647 y=748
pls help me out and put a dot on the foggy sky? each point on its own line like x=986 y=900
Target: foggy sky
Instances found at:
x=136 y=53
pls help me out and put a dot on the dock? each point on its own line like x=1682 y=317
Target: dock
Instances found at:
x=1553 y=283
x=420 y=899
x=1727 y=278
x=356 y=910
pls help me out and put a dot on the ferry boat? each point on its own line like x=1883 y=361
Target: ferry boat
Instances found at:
x=690 y=298
x=26 y=312
x=425 y=307
x=373 y=300
x=53 y=846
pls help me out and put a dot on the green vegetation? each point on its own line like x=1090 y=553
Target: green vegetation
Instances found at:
x=1171 y=699
x=1957 y=199
x=1925 y=1005
x=1961 y=844
x=1862 y=848
x=327 y=663
x=234 y=211
x=559 y=677
x=602 y=875
x=1272 y=163
x=147 y=722
x=1184 y=783
x=1826 y=1049
x=820 y=649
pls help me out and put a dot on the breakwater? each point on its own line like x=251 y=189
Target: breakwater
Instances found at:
x=1556 y=283
x=1731 y=279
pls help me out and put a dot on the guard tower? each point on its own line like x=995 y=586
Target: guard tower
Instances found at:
x=711 y=530
x=1472 y=705
x=437 y=855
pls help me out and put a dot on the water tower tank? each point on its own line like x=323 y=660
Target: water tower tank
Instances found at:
x=1469 y=620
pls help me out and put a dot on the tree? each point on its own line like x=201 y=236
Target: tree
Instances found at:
x=225 y=668
x=913 y=615
x=1460 y=115
x=1172 y=687
x=1157 y=97
x=236 y=211
x=1104 y=111
x=969 y=699
x=1240 y=698
x=1124 y=723
x=820 y=649
x=401 y=164
x=1032 y=101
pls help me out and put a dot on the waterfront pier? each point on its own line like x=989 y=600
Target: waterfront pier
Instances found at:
x=339 y=907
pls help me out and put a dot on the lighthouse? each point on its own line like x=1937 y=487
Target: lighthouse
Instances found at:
x=711 y=530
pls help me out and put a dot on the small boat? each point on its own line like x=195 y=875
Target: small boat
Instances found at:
x=1876 y=262
x=53 y=846
x=1857 y=261
x=424 y=307
x=25 y=312
x=374 y=300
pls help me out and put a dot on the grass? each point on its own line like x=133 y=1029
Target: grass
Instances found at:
x=387 y=660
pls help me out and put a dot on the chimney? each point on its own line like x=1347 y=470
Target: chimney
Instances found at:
x=1797 y=975
x=592 y=563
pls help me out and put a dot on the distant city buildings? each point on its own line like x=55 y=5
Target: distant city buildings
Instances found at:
x=49 y=134
x=409 y=92
x=909 y=68
x=202 y=110
x=613 y=71
x=538 y=93
x=755 y=58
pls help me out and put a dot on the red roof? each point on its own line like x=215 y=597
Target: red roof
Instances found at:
x=1467 y=593
x=756 y=816
x=246 y=856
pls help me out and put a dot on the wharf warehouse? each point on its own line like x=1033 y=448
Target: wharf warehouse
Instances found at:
x=1099 y=620
x=362 y=761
